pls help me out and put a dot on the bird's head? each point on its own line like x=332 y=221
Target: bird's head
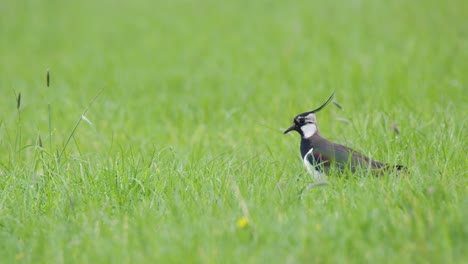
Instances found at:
x=306 y=123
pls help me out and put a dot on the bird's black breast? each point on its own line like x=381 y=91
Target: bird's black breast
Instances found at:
x=306 y=145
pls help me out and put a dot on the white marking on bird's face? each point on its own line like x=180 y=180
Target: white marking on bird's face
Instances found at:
x=309 y=130
x=307 y=124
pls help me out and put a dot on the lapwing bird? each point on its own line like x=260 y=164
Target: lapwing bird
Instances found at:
x=320 y=155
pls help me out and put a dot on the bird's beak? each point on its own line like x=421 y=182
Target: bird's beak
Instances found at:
x=291 y=128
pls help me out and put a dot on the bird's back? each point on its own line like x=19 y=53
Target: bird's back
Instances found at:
x=326 y=154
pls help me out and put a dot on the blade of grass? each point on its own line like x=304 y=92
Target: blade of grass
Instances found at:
x=78 y=122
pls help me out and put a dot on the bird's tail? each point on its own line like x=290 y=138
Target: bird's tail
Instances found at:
x=400 y=167
x=402 y=170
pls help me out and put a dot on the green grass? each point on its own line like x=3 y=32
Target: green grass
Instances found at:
x=186 y=136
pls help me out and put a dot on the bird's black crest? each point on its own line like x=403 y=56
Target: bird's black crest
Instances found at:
x=321 y=107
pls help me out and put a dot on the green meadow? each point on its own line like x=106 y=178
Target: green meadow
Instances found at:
x=159 y=137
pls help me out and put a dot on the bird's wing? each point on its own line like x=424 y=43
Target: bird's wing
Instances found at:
x=358 y=159
x=344 y=156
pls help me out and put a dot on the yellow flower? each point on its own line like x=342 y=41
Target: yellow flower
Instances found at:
x=318 y=227
x=242 y=222
x=19 y=256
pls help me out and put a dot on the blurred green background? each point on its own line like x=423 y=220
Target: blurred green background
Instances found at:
x=171 y=68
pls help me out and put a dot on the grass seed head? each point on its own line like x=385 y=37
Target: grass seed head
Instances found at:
x=395 y=129
x=48 y=78
x=18 y=101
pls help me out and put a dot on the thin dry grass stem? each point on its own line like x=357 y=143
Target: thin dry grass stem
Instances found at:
x=338 y=105
x=41 y=154
x=315 y=184
x=49 y=110
x=242 y=203
x=343 y=120
x=18 y=109
x=78 y=122
x=50 y=126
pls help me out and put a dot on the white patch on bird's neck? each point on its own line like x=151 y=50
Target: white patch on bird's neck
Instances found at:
x=311 y=168
x=307 y=164
x=308 y=130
